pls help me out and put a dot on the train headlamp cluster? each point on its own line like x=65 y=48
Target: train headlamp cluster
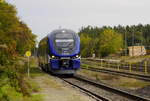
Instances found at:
x=53 y=56
x=77 y=56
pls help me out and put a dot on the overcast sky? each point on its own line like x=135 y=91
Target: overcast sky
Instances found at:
x=43 y=16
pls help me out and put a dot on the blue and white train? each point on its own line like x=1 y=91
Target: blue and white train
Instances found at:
x=59 y=52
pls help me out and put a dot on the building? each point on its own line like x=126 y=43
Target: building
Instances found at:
x=136 y=50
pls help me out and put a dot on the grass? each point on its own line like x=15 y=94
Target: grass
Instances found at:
x=8 y=93
x=15 y=85
x=31 y=85
x=99 y=76
x=34 y=72
x=123 y=58
x=132 y=83
x=36 y=97
x=34 y=68
x=52 y=83
x=85 y=65
x=131 y=59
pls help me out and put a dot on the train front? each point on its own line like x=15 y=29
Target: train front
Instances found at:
x=64 y=48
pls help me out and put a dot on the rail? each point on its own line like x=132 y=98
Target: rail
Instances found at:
x=125 y=74
x=111 y=89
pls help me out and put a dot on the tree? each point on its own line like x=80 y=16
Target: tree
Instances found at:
x=132 y=35
x=86 y=45
x=15 y=35
x=110 y=42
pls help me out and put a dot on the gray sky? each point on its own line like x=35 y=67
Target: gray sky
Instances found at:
x=43 y=16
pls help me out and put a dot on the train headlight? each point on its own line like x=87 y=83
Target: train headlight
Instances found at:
x=53 y=56
x=77 y=56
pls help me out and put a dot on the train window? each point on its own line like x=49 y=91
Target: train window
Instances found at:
x=64 y=43
x=64 y=40
x=64 y=36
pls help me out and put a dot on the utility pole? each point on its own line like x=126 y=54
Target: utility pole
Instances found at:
x=133 y=42
x=125 y=43
x=133 y=37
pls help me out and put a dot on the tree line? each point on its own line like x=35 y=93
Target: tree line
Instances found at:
x=15 y=36
x=106 y=40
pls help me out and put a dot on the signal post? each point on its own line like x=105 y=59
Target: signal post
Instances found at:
x=28 y=54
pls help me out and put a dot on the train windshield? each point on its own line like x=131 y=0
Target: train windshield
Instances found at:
x=64 y=43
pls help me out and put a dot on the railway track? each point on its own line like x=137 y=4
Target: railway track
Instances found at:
x=125 y=74
x=88 y=92
x=101 y=91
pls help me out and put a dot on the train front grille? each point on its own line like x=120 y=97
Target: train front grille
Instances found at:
x=65 y=63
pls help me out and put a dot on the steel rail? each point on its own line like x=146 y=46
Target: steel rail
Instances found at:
x=111 y=89
x=92 y=94
x=125 y=74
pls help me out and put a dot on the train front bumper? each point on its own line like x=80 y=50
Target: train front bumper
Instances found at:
x=65 y=64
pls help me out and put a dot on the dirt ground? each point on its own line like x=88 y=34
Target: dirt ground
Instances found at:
x=54 y=89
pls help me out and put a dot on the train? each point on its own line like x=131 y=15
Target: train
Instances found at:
x=59 y=52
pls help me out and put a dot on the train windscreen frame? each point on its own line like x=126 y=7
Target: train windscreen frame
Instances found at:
x=65 y=43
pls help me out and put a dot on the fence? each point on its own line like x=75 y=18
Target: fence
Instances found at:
x=147 y=49
x=143 y=67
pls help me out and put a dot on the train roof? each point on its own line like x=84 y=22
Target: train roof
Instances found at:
x=59 y=31
x=62 y=31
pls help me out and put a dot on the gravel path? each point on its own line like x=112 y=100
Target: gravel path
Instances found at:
x=53 y=89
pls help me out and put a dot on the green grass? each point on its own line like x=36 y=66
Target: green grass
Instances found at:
x=37 y=97
x=85 y=65
x=34 y=71
x=132 y=83
x=33 y=87
x=8 y=93
x=15 y=85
